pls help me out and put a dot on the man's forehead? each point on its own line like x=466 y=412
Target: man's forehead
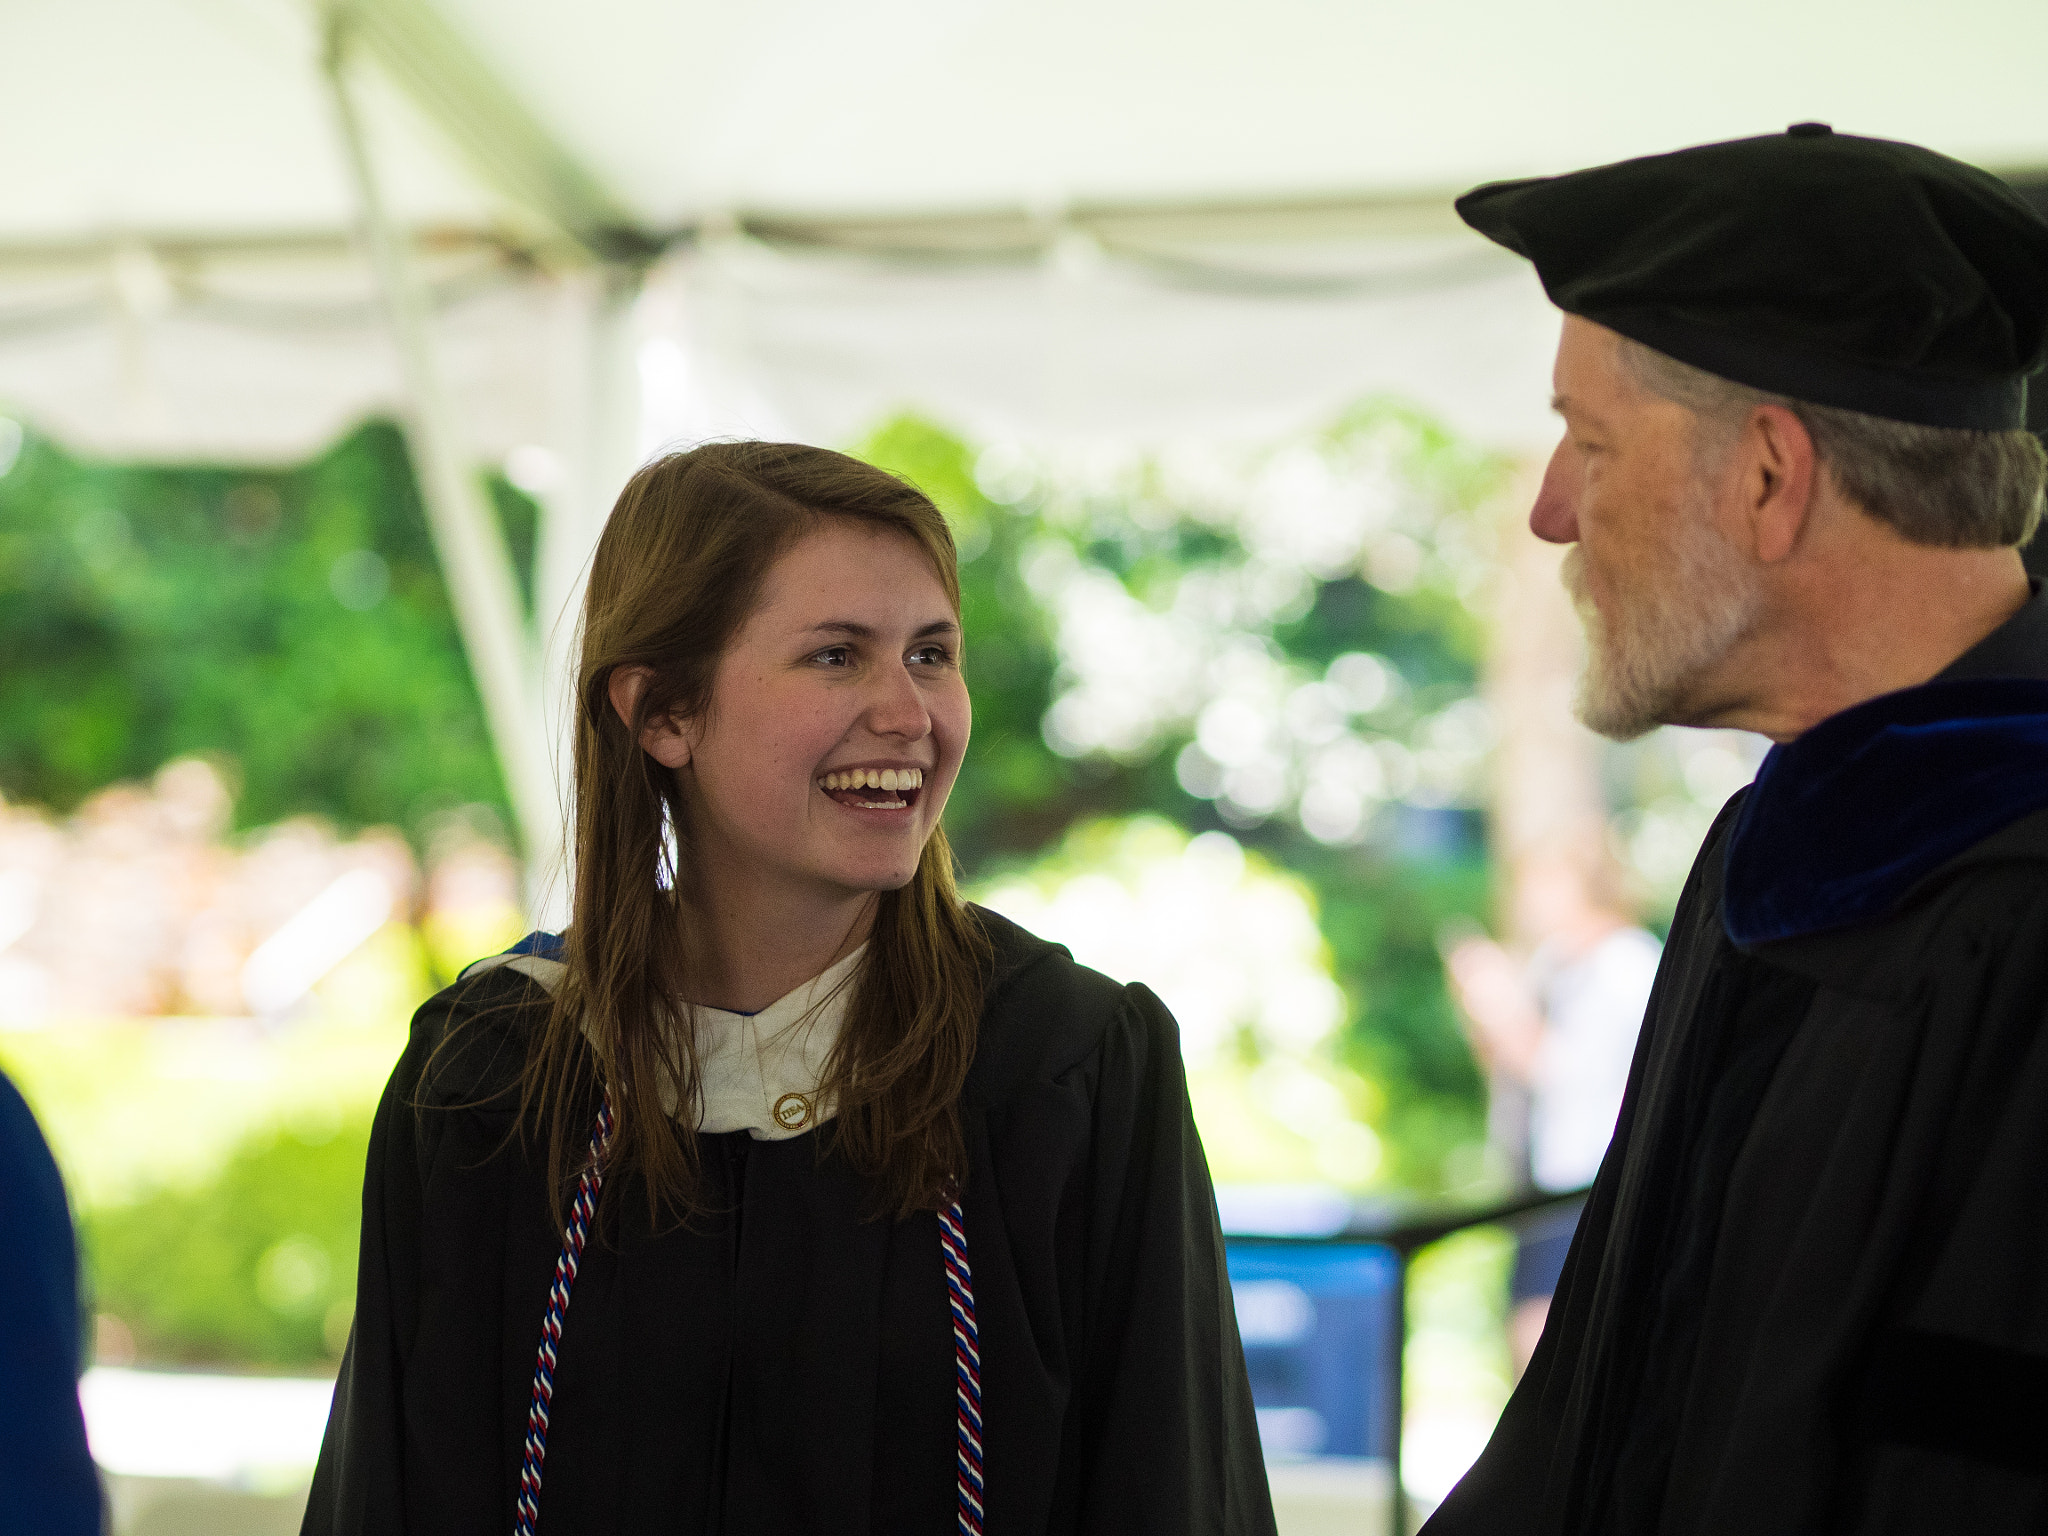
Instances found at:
x=1587 y=378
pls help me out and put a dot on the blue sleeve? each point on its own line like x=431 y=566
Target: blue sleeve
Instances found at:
x=47 y=1480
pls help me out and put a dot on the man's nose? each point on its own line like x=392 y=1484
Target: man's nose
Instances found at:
x=1555 y=517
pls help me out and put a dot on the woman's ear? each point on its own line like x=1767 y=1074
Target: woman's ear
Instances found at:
x=665 y=739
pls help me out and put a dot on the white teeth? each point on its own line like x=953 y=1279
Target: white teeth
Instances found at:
x=875 y=778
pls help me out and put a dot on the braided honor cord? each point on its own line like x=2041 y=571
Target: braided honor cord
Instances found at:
x=966 y=1364
x=581 y=1211
x=959 y=1296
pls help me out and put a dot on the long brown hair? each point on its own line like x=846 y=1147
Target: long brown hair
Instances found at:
x=677 y=572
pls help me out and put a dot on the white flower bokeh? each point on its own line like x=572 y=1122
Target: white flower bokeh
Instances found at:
x=1231 y=945
x=1194 y=655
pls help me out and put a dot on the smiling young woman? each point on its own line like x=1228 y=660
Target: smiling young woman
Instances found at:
x=785 y=1191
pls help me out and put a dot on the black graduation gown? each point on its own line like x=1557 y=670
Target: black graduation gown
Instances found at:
x=787 y=1366
x=1810 y=1292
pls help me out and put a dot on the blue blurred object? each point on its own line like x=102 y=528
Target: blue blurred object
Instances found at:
x=1428 y=833
x=47 y=1481
x=1318 y=1321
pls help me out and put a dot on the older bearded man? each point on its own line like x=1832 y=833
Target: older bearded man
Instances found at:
x=1810 y=1291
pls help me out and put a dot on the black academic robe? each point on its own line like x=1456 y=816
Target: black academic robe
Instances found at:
x=1810 y=1292
x=785 y=1365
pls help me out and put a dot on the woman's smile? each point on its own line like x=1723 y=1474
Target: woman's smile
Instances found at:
x=893 y=790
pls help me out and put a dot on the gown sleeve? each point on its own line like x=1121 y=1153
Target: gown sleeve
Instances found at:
x=359 y=1481
x=1175 y=1440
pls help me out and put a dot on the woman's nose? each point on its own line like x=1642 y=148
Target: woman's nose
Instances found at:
x=897 y=709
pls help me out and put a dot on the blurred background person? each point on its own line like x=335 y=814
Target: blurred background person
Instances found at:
x=1559 y=1029
x=47 y=1481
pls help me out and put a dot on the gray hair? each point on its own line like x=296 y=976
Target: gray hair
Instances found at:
x=1943 y=486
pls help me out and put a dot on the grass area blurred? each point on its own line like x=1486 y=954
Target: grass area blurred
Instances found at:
x=1458 y=1373
x=255 y=1266
x=216 y=1165
x=132 y=1104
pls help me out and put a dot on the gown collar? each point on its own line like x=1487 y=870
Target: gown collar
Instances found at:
x=758 y=1072
x=1844 y=820
x=2017 y=648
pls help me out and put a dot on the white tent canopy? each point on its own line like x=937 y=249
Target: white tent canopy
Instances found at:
x=203 y=116
x=604 y=228
x=1066 y=206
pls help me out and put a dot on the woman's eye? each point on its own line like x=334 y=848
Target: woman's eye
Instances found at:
x=834 y=656
x=932 y=655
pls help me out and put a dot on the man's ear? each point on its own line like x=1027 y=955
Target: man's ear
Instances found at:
x=665 y=740
x=1779 y=482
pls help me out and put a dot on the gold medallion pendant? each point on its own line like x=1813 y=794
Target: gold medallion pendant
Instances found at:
x=792 y=1111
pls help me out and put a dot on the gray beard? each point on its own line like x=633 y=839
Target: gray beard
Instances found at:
x=1645 y=659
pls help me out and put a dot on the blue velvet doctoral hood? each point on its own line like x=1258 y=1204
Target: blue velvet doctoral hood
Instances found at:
x=1844 y=820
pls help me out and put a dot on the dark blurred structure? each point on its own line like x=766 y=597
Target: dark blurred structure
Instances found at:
x=2035 y=190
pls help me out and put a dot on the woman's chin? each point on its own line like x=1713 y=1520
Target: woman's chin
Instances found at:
x=868 y=877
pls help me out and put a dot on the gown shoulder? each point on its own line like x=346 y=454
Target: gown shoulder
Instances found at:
x=1047 y=1015
x=469 y=1042
x=1980 y=912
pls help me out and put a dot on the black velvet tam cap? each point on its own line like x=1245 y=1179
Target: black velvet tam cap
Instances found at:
x=1861 y=273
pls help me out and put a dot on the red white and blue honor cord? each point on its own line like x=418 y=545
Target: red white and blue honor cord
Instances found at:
x=966 y=1364
x=583 y=1210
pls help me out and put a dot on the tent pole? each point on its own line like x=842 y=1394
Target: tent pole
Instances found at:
x=465 y=529
x=597 y=415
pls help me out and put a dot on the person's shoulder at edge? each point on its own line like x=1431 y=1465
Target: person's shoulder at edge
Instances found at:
x=1046 y=1013
x=469 y=1040
x=46 y=1470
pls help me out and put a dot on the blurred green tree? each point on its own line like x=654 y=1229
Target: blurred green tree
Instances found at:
x=293 y=622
